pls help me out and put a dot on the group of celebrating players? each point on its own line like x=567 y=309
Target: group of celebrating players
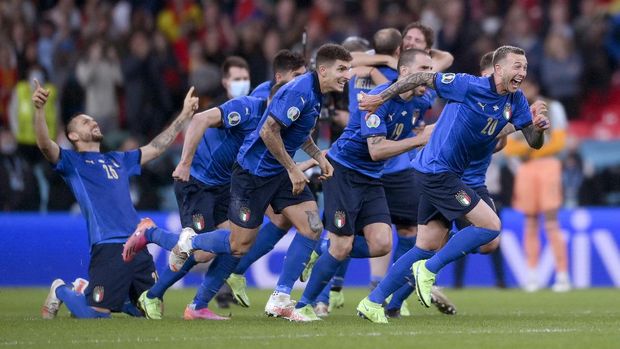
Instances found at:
x=237 y=166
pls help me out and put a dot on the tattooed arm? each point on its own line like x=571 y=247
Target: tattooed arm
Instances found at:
x=161 y=142
x=381 y=148
x=403 y=84
x=534 y=136
x=311 y=149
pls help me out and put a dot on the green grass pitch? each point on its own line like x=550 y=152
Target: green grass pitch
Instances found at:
x=584 y=319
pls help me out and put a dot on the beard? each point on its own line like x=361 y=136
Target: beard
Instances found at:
x=97 y=138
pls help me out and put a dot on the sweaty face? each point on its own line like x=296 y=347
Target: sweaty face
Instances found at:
x=414 y=39
x=336 y=76
x=85 y=129
x=512 y=71
x=290 y=75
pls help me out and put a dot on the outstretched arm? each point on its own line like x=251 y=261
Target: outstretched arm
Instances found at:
x=48 y=147
x=381 y=148
x=363 y=58
x=161 y=142
x=196 y=128
x=404 y=84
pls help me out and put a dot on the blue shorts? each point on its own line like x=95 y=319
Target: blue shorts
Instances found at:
x=483 y=192
x=202 y=207
x=402 y=196
x=443 y=196
x=353 y=201
x=250 y=196
x=112 y=281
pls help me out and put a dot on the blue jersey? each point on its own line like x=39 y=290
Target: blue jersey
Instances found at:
x=296 y=106
x=394 y=119
x=467 y=127
x=263 y=90
x=476 y=173
x=358 y=85
x=100 y=183
x=218 y=148
x=403 y=161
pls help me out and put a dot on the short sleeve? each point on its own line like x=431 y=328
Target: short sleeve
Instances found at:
x=521 y=115
x=286 y=106
x=235 y=111
x=452 y=87
x=64 y=161
x=374 y=124
x=130 y=161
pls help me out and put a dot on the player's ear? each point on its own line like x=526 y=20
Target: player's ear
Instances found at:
x=73 y=136
x=278 y=77
x=322 y=70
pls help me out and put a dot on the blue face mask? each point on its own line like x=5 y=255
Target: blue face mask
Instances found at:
x=239 y=88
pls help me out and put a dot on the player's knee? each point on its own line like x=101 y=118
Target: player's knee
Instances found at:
x=239 y=247
x=490 y=247
x=281 y=222
x=340 y=249
x=203 y=256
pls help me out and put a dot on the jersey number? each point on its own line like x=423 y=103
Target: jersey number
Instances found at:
x=489 y=129
x=110 y=171
x=398 y=129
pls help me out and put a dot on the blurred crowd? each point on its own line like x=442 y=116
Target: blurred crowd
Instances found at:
x=128 y=63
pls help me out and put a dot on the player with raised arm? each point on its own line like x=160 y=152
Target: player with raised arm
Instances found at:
x=478 y=109
x=100 y=183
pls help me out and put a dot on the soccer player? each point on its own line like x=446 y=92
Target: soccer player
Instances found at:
x=286 y=66
x=478 y=108
x=266 y=174
x=354 y=198
x=417 y=35
x=100 y=183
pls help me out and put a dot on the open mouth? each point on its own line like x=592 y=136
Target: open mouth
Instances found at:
x=516 y=82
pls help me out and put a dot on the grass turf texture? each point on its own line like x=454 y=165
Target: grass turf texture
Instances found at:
x=487 y=319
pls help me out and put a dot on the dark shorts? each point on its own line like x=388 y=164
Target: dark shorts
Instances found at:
x=483 y=192
x=202 y=207
x=353 y=201
x=443 y=196
x=112 y=281
x=402 y=197
x=250 y=195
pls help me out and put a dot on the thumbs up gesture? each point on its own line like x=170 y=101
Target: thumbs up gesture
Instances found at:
x=39 y=96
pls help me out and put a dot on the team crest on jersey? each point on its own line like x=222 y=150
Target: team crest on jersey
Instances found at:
x=199 y=221
x=372 y=121
x=244 y=214
x=340 y=219
x=507 y=111
x=416 y=115
x=234 y=118
x=98 y=292
x=293 y=113
x=447 y=78
x=463 y=198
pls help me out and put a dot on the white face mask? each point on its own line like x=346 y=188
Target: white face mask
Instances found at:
x=239 y=88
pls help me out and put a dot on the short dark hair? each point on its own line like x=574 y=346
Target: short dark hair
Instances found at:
x=408 y=56
x=503 y=52
x=287 y=60
x=329 y=53
x=274 y=89
x=486 y=61
x=233 y=61
x=386 y=41
x=428 y=33
x=356 y=44
x=68 y=128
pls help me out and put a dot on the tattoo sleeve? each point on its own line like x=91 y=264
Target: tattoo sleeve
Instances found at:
x=408 y=83
x=270 y=134
x=534 y=137
x=311 y=148
x=376 y=140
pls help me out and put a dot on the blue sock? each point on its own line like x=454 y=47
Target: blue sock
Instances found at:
x=268 y=236
x=77 y=304
x=217 y=241
x=397 y=274
x=403 y=245
x=360 y=247
x=219 y=270
x=295 y=261
x=168 y=277
x=338 y=279
x=324 y=295
x=131 y=310
x=464 y=242
x=161 y=237
x=321 y=246
x=401 y=294
x=322 y=272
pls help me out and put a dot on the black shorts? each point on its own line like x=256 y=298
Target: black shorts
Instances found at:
x=353 y=201
x=443 y=196
x=402 y=197
x=112 y=281
x=250 y=195
x=202 y=207
x=483 y=192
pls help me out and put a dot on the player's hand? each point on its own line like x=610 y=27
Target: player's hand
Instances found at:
x=327 y=170
x=541 y=122
x=39 y=97
x=369 y=103
x=298 y=179
x=425 y=135
x=181 y=173
x=308 y=164
x=190 y=103
x=539 y=115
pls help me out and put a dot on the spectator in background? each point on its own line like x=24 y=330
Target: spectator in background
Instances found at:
x=572 y=177
x=8 y=79
x=203 y=75
x=18 y=188
x=235 y=79
x=46 y=46
x=538 y=191
x=100 y=74
x=560 y=74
